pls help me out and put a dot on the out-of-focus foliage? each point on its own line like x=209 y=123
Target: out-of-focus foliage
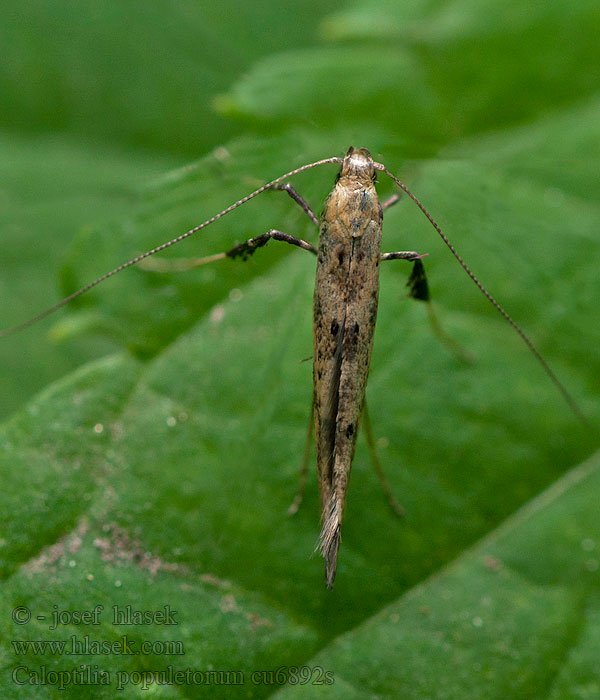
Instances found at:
x=161 y=476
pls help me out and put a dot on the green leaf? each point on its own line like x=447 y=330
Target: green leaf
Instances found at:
x=429 y=71
x=344 y=85
x=516 y=616
x=50 y=188
x=106 y=72
x=96 y=98
x=161 y=480
x=200 y=446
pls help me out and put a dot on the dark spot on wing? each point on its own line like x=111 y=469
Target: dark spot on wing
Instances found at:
x=334 y=327
x=364 y=200
x=351 y=342
x=372 y=311
x=329 y=416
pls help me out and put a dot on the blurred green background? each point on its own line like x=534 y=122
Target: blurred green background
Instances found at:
x=123 y=125
x=98 y=98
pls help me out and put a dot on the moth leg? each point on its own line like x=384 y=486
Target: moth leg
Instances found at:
x=246 y=249
x=293 y=509
x=286 y=187
x=243 y=250
x=366 y=422
x=419 y=289
x=156 y=264
x=410 y=255
x=390 y=202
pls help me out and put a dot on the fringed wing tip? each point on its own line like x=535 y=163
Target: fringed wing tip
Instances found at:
x=329 y=545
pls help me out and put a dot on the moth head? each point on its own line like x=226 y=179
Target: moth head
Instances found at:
x=358 y=163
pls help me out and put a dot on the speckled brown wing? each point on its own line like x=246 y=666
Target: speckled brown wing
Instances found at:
x=345 y=310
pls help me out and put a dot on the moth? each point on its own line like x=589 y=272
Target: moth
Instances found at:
x=344 y=316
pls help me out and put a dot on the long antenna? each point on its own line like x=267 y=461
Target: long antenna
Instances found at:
x=549 y=371
x=168 y=244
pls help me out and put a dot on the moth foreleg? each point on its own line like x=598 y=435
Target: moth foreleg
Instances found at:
x=286 y=187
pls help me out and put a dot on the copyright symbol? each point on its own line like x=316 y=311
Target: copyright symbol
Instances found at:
x=21 y=615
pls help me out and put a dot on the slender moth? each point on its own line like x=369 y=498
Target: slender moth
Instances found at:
x=344 y=315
